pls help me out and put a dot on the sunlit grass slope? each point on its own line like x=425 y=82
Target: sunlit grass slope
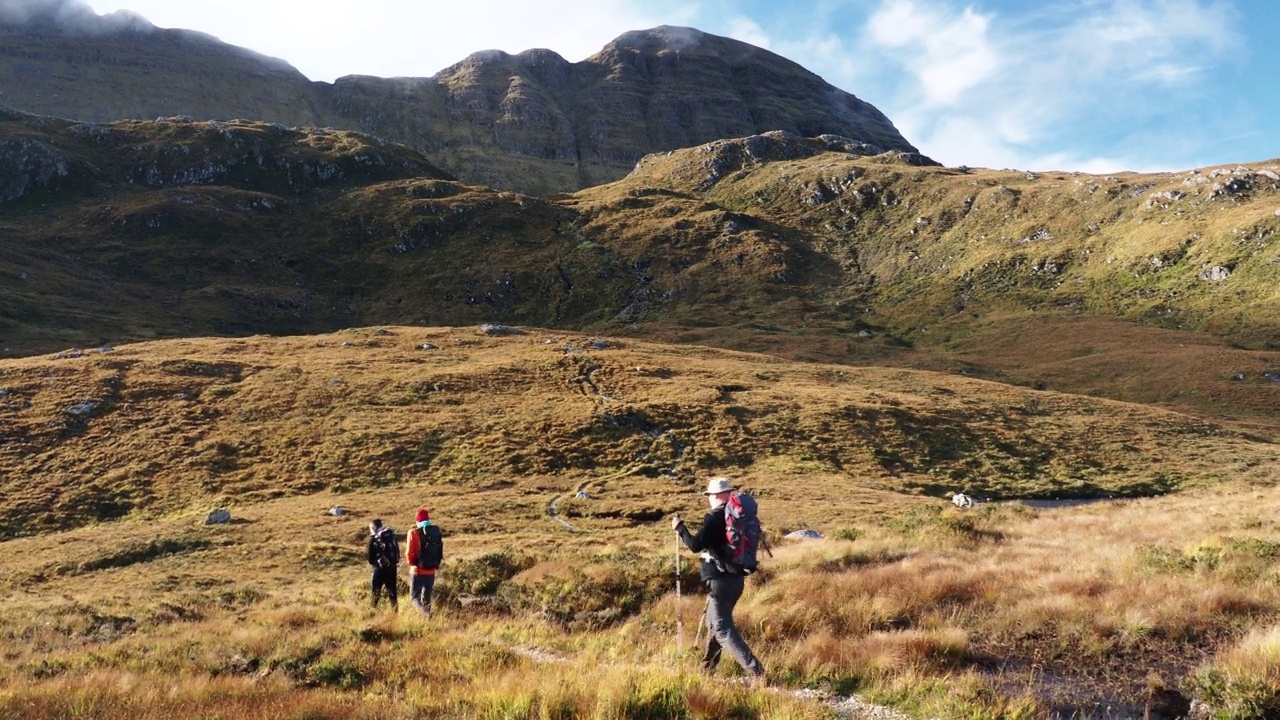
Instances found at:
x=154 y=428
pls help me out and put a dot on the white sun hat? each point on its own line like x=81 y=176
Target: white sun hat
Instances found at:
x=717 y=485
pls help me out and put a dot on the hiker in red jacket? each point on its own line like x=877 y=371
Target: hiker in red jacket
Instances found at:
x=426 y=550
x=724 y=586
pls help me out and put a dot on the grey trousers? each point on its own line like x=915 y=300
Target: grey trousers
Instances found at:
x=721 y=632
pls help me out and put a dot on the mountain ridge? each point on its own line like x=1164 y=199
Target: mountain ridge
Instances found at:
x=531 y=121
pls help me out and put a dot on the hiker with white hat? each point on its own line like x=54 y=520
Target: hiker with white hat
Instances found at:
x=724 y=585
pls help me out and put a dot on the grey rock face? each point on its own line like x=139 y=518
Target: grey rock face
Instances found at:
x=29 y=165
x=565 y=125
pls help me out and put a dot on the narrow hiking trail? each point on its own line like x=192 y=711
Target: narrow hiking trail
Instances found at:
x=591 y=388
x=552 y=507
x=846 y=707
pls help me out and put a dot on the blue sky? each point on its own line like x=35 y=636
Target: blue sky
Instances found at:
x=1090 y=85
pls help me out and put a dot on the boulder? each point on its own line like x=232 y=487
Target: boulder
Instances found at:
x=221 y=516
x=805 y=534
x=82 y=409
x=1217 y=273
x=499 y=330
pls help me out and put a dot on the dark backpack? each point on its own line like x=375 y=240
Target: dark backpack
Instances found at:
x=430 y=547
x=742 y=531
x=386 y=551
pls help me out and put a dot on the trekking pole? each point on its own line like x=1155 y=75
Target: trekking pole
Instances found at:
x=702 y=623
x=679 y=615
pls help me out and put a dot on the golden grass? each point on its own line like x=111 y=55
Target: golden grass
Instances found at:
x=912 y=618
x=986 y=612
x=184 y=425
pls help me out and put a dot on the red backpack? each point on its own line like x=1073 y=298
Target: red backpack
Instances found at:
x=742 y=531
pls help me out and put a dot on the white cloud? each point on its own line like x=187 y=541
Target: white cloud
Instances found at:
x=1016 y=91
x=747 y=30
x=326 y=39
x=947 y=54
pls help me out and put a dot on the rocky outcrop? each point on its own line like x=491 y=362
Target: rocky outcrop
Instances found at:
x=532 y=122
x=30 y=165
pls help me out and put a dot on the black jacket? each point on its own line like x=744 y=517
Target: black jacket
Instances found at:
x=711 y=543
x=387 y=536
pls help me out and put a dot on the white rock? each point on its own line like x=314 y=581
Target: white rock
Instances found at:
x=1217 y=273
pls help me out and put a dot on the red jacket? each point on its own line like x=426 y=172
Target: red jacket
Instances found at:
x=412 y=555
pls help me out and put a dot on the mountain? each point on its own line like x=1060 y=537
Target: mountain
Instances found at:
x=61 y=59
x=533 y=122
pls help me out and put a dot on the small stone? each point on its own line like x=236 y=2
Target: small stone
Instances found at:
x=346 y=344
x=337 y=511
x=382 y=331
x=1217 y=273
x=1238 y=376
x=428 y=346
x=805 y=534
x=83 y=409
x=1271 y=375
x=221 y=516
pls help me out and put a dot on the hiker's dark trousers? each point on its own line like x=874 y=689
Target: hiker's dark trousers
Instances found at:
x=420 y=591
x=384 y=578
x=721 y=632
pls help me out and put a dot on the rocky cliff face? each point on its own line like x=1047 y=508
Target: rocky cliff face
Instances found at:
x=136 y=71
x=532 y=122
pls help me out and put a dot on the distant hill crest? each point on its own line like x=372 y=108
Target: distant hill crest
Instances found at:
x=533 y=121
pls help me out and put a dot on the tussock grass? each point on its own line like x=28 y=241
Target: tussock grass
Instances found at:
x=987 y=612
x=939 y=624
x=1244 y=679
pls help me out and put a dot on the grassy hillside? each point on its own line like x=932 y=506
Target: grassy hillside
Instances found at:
x=799 y=248
x=175 y=425
x=119 y=602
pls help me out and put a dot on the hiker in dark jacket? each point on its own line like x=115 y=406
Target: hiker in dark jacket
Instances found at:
x=724 y=586
x=384 y=556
